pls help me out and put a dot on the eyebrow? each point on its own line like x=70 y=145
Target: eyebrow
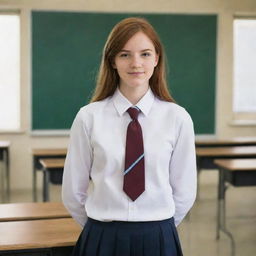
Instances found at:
x=141 y=50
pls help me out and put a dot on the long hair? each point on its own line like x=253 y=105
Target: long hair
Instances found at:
x=108 y=78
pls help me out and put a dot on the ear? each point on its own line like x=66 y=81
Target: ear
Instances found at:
x=156 y=60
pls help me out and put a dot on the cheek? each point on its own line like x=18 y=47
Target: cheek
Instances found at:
x=119 y=66
x=151 y=67
x=119 y=71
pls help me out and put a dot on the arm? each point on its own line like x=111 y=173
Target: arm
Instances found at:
x=76 y=171
x=183 y=171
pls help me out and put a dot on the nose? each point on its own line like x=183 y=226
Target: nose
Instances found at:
x=136 y=61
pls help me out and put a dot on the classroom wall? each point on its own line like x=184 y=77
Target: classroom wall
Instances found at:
x=22 y=142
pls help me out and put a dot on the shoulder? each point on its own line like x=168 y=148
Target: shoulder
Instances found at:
x=93 y=108
x=87 y=113
x=173 y=111
x=177 y=117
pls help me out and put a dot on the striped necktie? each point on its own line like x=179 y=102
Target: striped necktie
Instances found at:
x=134 y=174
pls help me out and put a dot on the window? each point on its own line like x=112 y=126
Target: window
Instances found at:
x=244 y=97
x=9 y=72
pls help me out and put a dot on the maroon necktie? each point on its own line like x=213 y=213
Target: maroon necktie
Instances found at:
x=134 y=174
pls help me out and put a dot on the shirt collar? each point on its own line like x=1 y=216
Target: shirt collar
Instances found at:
x=121 y=103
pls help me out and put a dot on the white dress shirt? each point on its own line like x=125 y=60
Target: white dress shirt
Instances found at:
x=94 y=166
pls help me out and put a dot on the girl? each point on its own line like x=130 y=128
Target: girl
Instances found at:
x=130 y=172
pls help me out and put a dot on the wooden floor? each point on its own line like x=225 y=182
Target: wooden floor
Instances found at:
x=197 y=233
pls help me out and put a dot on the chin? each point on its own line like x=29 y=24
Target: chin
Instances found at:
x=135 y=84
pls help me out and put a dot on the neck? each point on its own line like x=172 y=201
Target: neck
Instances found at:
x=133 y=94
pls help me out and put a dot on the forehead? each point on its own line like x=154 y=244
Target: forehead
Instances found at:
x=139 y=41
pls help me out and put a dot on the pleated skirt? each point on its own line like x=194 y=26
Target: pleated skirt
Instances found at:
x=120 y=238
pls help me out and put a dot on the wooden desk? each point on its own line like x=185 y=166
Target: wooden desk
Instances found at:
x=206 y=155
x=44 y=153
x=38 y=237
x=32 y=211
x=216 y=142
x=237 y=172
x=5 y=172
x=51 y=170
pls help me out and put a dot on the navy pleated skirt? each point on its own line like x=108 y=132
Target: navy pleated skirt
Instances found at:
x=120 y=238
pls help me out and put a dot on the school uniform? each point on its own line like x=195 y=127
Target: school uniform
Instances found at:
x=94 y=172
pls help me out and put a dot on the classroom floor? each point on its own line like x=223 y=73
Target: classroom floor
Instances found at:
x=197 y=233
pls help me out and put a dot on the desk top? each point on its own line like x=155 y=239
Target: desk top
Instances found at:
x=49 y=151
x=4 y=144
x=52 y=162
x=32 y=211
x=236 y=151
x=237 y=164
x=18 y=235
x=236 y=141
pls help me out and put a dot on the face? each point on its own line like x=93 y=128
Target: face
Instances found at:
x=135 y=63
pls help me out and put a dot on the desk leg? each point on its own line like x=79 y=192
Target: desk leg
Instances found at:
x=34 y=180
x=7 y=168
x=220 y=202
x=2 y=181
x=221 y=211
x=45 y=185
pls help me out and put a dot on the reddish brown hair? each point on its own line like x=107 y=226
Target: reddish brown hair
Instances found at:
x=108 y=78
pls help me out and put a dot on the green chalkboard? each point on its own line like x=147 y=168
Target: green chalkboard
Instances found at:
x=66 y=52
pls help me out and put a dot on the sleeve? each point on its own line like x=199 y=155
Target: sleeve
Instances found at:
x=77 y=171
x=183 y=171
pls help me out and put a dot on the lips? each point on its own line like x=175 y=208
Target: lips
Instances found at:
x=135 y=73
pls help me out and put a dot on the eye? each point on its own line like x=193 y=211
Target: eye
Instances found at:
x=146 y=54
x=123 y=55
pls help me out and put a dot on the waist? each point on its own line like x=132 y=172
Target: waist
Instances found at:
x=130 y=224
